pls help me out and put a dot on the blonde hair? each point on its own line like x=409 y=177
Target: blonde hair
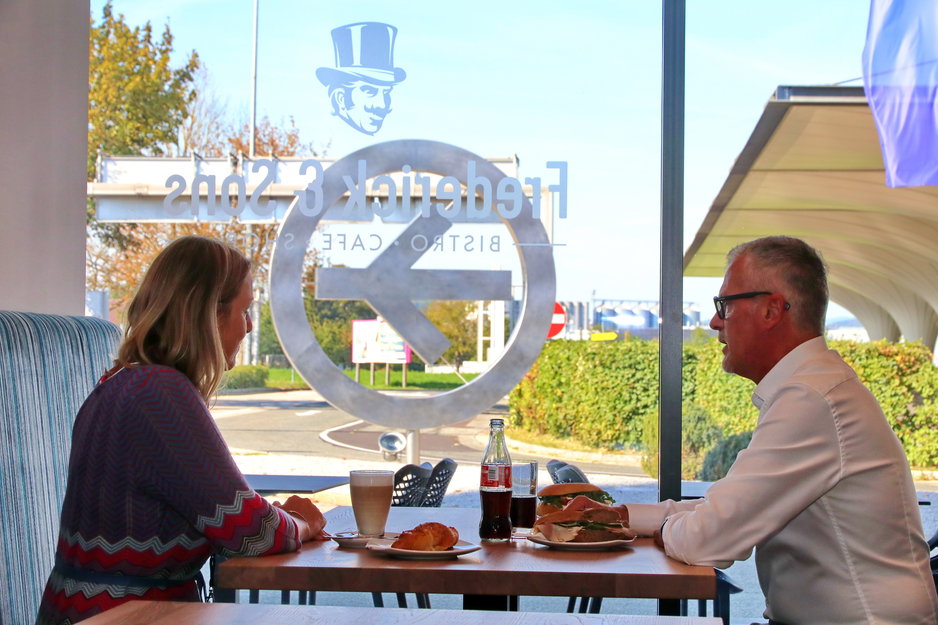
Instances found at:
x=173 y=318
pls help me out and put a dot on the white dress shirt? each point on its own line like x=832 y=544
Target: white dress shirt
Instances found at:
x=824 y=494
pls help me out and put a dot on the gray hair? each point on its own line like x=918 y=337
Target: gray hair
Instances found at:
x=799 y=267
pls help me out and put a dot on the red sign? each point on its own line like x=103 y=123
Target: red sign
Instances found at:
x=559 y=322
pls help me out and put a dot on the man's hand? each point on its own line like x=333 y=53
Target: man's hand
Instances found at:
x=309 y=519
x=658 y=539
x=585 y=503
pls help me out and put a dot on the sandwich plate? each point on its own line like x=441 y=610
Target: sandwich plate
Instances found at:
x=383 y=546
x=352 y=540
x=605 y=545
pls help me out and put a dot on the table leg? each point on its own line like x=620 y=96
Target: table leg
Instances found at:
x=669 y=607
x=485 y=602
x=225 y=595
x=220 y=595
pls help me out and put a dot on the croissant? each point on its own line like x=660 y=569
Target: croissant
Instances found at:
x=427 y=537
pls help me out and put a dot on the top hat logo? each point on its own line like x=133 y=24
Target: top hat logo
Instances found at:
x=360 y=83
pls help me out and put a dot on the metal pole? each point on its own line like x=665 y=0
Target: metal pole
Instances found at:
x=254 y=87
x=413 y=446
x=256 y=328
x=672 y=244
x=480 y=321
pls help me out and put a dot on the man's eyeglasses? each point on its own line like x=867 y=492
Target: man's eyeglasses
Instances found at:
x=720 y=302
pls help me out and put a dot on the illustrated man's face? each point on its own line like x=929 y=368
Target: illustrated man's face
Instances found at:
x=364 y=106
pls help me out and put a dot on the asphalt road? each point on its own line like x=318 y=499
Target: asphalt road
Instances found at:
x=301 y=422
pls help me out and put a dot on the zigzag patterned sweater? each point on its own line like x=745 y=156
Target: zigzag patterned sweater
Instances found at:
x=152 y=492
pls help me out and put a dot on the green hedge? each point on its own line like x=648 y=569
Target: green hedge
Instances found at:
x=596 y=393
x=904 y=380
x=721 y=457
x=246 y=376
x=726 y=397
x=699 y=435
x=602 y=394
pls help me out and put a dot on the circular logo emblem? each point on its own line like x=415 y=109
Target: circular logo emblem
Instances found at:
x=381 y=287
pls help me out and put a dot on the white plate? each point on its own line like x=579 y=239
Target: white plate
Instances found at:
x=384 y=547
x=352 y=540
x=605 y=545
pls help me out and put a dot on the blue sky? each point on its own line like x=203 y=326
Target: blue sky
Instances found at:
x=549 y=80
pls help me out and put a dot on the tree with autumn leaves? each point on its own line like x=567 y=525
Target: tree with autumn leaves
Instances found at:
x=139 y=104
x=456 y=320
x=136 y=101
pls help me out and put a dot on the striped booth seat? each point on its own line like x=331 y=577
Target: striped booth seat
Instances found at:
x=48 y=366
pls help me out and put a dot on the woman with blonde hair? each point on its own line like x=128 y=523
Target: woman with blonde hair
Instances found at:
x=152 y=489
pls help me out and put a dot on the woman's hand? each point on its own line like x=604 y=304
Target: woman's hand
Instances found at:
x=308 y=517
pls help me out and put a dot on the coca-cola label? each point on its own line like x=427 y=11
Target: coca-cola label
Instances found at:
x=496 y=476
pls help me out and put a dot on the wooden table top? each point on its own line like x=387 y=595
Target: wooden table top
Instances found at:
x=309 y=484
x=517 y=567
x=174 y=613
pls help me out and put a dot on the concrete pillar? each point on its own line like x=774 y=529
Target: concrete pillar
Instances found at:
x=44 y=105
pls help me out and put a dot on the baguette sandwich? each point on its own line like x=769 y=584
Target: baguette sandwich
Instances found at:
x=555 y=497
x=583 y=526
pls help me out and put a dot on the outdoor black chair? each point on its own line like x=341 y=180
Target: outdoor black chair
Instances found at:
x=562 y=473
x=439 y=482
x=410 y=485
x=421 y=487
x=552 y=467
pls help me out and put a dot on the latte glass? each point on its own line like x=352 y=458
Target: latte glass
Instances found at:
x=371 y=500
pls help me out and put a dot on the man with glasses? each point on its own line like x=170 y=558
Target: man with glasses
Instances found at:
x=824 y=492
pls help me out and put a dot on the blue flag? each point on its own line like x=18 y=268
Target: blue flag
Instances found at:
x=900 y=75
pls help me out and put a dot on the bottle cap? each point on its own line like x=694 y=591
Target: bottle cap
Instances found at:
x=496 y=422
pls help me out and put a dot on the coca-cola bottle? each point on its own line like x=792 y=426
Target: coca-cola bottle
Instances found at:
x=495 y=486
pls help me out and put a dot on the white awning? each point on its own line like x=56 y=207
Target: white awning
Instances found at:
x=813 y=169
